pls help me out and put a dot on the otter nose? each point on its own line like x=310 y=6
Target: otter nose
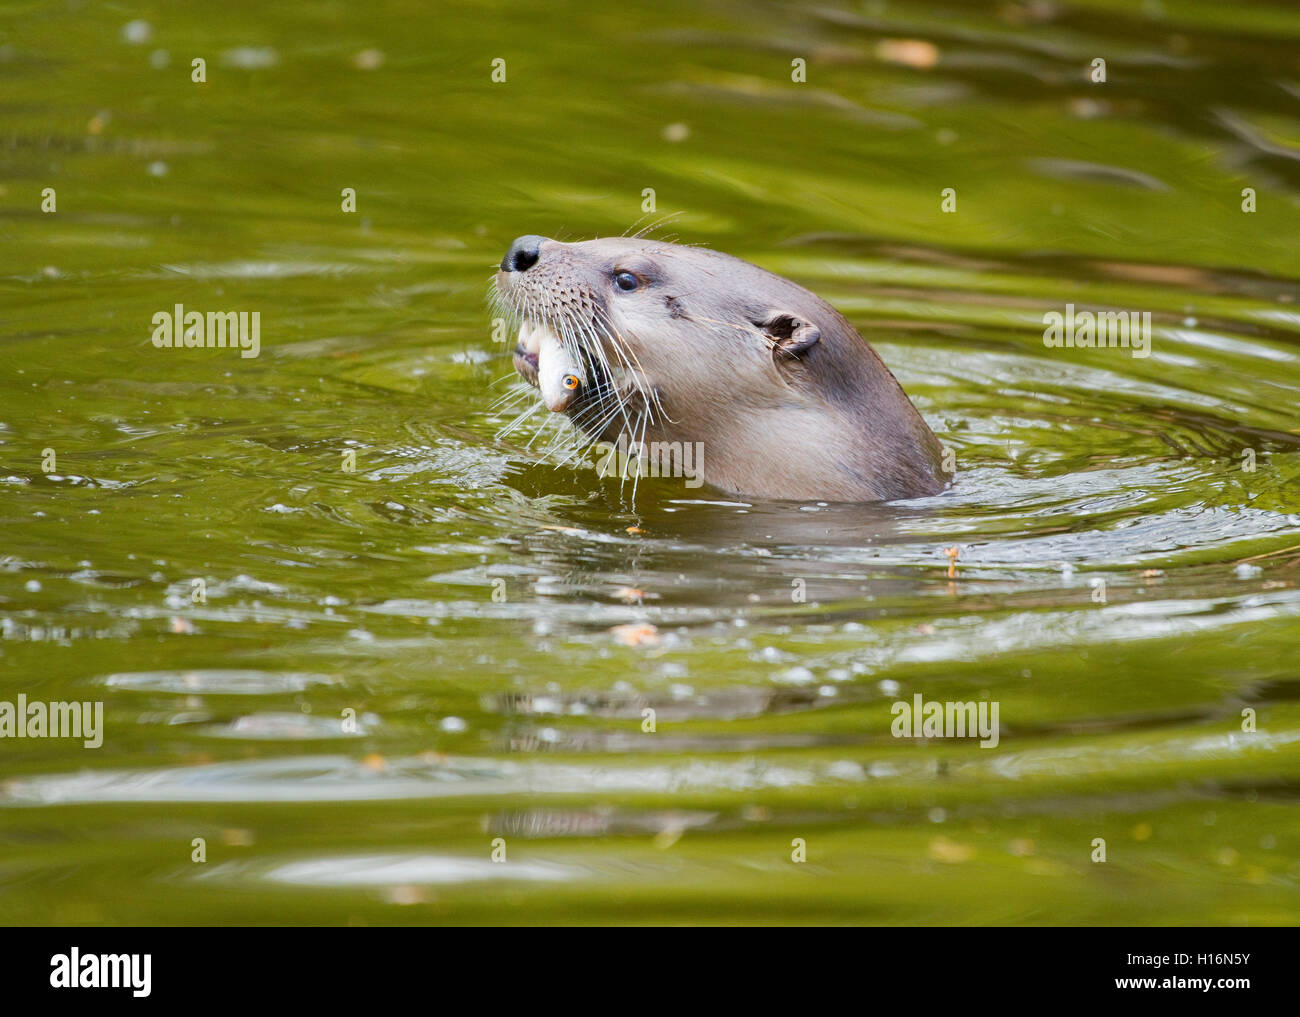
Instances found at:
x=523 y=254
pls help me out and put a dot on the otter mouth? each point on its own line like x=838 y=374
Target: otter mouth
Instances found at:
x=573 y=377
x=550 y=365
x=573 y=354
x=526 y=364
x=528 y=349
x=595 y=388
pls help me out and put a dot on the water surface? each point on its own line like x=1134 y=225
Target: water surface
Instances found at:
x=493 y=623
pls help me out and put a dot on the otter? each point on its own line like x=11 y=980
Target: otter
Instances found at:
x=658 y=342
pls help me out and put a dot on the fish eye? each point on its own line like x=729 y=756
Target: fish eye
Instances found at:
x=626 y=281
x=570 y=381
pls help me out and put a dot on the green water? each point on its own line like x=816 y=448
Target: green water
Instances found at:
x=519 y=717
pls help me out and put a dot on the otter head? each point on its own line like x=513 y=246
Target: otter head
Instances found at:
x=645 y=327
x=646 y=339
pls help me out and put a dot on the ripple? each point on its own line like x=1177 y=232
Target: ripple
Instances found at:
x=403 y=869
x=287 y=727
x=337 y=779
x=216 y=682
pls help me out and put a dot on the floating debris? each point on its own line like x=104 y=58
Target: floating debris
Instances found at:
x=643 y=634
x=950 y=852
x=953 y=554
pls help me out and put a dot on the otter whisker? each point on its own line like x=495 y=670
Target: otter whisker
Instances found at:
x=513 y=406
x=549 y=422
x=596 y=427
x=640 y=453
x=650 y=399
x=518 y=421
x=618 y=344
x=595 y=346
x=639 y=234
x=504 y=379
x=516 y=393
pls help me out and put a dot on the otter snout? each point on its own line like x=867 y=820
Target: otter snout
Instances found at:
x=541 y=357
x=523 y=254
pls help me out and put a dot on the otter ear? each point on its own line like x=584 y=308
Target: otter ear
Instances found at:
x=792 y=336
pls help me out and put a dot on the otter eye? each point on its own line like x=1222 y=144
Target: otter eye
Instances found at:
x=625 y=281
x=570 y=381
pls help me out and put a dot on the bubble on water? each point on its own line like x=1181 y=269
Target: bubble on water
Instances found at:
x=159 y=59
x=845 y=769
x=453 y=725
x=136 y=33
x=250 y=57
x=1247 y=571
x=545 y=704
x=936 y=815
x=32 y=586
x=888 y=686
x=796 y=676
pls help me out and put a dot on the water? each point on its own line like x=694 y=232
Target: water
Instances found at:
x=770 y=639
